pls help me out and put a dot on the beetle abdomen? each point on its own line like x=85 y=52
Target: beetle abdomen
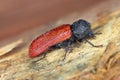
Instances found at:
x=48 y=39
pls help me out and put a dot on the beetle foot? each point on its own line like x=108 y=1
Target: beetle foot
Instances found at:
x=67 y=51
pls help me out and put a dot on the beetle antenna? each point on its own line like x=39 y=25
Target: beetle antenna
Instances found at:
x=92 y=44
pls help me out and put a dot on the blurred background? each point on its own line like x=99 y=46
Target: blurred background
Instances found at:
x=18 y=16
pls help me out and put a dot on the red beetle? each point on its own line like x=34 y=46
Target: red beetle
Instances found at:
x=61 y=37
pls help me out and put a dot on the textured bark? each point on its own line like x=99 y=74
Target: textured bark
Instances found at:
x=84 y=63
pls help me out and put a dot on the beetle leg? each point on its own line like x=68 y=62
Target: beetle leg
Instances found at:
x=97 y=33
x=92 y=44
x=44 y=55
x=49 y=49
x=39 y=58
x=65 y=54
x=68 y=48
x=64 y=57
x=57 y=46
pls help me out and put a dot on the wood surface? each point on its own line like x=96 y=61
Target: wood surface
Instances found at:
x=84 y=63
x=20 y=25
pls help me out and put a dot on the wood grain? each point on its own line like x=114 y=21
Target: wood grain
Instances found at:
x=84 y=63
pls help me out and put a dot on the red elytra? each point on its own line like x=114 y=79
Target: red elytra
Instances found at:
x=48 y=39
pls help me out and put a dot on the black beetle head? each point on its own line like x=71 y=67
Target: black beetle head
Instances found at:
x=81 y=29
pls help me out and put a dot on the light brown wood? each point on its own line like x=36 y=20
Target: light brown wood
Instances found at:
x=84 y=63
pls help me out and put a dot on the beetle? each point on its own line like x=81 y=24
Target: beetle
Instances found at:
x=62 y=37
